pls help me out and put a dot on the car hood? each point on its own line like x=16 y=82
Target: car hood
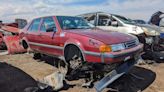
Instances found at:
x=104 y=36
x=154 y=27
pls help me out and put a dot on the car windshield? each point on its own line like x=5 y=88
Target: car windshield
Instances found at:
x=125 y=20
x=67 y=22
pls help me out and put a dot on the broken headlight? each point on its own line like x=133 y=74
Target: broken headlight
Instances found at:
x=149 y=40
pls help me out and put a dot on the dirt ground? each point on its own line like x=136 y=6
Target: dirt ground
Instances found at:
x=146 y=78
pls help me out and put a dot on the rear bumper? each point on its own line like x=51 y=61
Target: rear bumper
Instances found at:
x=114 y=57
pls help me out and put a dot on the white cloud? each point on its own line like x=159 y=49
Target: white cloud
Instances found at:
x=142 y=9
x=28 y=9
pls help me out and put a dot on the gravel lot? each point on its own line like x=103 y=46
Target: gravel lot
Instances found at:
x=20 y=77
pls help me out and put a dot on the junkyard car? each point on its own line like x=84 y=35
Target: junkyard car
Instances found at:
x=112 y=22
x=9 y=39
x=147 y=34
x=80 y=44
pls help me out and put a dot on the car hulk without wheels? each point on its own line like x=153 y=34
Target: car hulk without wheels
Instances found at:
x=83 y=47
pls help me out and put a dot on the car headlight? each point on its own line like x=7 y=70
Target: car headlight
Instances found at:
x=117 y=47
x=149 y=40
x=110 y=48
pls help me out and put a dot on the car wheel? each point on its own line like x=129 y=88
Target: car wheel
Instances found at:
x=74 y=58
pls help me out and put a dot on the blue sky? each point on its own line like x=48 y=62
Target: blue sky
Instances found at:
x=28 y=9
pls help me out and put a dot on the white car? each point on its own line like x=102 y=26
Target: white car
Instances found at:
x=113 y=22
x=147 y=34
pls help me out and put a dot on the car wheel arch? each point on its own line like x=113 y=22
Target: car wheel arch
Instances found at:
x=80 y=48
x=24 y=43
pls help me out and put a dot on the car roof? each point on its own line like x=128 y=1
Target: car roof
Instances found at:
x=55 y=16
x=91 y=13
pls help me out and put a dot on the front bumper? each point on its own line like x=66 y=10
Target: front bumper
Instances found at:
x=114 y=57
x=114 y=75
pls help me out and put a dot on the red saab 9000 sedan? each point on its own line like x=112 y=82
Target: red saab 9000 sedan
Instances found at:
x=72 y=37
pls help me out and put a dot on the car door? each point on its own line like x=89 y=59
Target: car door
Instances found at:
x=48 y=36
x=32 y=34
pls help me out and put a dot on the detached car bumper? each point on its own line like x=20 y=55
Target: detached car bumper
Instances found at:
x=114 y=57
x=114 y=75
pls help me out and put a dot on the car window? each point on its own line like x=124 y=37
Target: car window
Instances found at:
x=125 y=20
x=91 y=19
x=161 y=22
x=47 y=23
x=35 y=25
x=104 y=20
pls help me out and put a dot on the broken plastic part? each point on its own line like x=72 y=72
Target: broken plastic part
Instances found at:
x=113 y=75
x=54 y=80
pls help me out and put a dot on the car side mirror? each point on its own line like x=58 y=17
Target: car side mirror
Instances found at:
x=51 y=29
x=114 y=23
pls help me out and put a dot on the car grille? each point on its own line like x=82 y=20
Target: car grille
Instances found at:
x=130 y=44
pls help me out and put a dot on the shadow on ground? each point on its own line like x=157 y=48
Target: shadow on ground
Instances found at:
x=129 y=83
x=14 y=80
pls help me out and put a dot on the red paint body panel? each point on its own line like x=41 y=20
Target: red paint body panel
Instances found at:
x=1 y=38
x=87 y=40
x=10 y=29
x=12 y=43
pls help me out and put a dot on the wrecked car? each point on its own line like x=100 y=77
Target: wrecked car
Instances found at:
x=154 y=42
x=147 y=34
x=9 y=39
x=83 y=48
